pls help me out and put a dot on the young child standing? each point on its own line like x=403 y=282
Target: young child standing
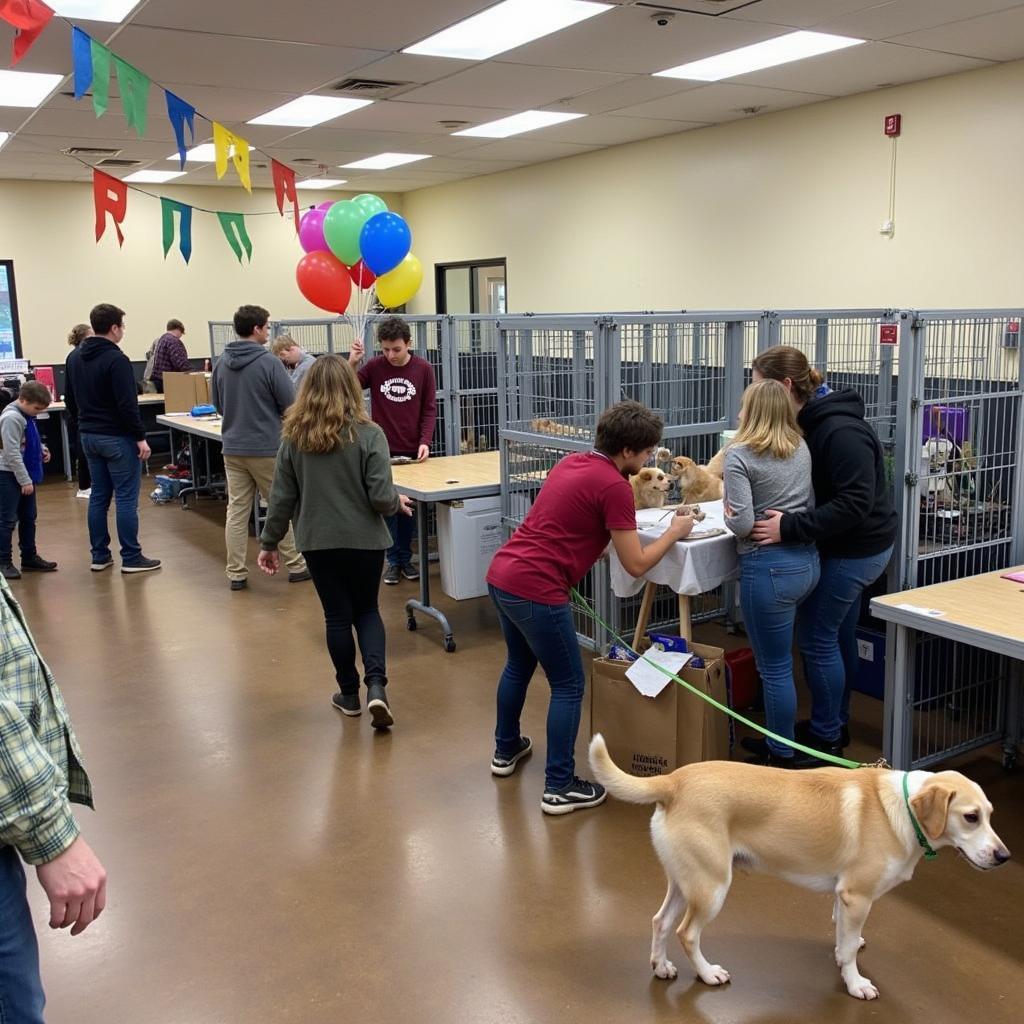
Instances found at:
x=403 y=404
x=585 y=501
x=21 y=468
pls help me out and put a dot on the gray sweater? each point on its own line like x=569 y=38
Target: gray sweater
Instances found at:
x=251 y=390
x=12 y=436
x=336 y=500
x=301 y=369
x=756 y=483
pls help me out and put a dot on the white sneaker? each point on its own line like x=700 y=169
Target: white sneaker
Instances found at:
x=84 y=494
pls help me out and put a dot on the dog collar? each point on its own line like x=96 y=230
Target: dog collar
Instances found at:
x=922 y=839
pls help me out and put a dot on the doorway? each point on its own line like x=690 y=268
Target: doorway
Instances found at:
x=476 y=286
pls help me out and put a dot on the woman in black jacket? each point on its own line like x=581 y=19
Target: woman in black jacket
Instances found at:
x=77 y=335
x=853 y=523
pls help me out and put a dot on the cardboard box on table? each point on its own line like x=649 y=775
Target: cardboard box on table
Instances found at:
x=184 y=391
x=654 y=736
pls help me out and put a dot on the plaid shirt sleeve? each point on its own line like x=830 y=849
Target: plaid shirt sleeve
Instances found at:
x=171 y=356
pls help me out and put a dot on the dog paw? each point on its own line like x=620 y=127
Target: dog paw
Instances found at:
x=715 y=975
x=861 y=988
x=665 y=969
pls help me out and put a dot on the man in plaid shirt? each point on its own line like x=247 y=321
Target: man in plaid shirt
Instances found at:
x=40 y=774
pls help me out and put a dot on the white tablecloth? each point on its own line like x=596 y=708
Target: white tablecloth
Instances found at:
x=690 y=567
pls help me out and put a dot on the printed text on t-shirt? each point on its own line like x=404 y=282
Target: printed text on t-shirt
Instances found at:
x=398 y=389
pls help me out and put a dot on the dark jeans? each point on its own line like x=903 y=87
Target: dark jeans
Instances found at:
x=546 y=634
x=75 y=444
x=21 y=989
x=403 y=529
x=20 y=509
x=826 y=632
x=116 y=473
x=347 y=581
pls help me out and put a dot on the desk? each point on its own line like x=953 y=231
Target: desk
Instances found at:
x=451 y=478
x=984 y=611
x=61 y=408
x=208 y=430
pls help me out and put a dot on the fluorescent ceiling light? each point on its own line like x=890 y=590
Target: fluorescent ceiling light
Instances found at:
x=781 y=50
x=153 y=177
x=204 y=154
x=94 y=10
x=321 y=183
x=528 y=121
x=506 y=26
x=382 y=161
x=4 y=136
x=307 y=111
x=26 y=88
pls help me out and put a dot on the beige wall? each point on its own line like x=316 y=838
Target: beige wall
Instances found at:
x=773 y=212
x=60 y=271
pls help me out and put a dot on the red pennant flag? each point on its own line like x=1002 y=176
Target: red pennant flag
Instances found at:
x=109 y=196
x=284 y=185
x=29 y=17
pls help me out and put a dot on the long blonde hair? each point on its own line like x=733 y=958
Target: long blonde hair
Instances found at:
x=767 y=420
x=327 y=409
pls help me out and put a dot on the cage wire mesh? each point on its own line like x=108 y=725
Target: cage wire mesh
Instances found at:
x=473 y=367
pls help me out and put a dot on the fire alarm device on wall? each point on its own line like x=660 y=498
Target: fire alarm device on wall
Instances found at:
x=892 y=124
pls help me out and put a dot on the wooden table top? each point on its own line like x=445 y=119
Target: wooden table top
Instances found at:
x=201 y=427
x=147 y=399
x=451 y=477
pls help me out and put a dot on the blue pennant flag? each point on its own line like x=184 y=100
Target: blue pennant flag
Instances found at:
x=81 y=54
x=180 y=114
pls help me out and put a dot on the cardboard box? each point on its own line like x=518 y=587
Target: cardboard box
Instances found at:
x=648 y=736
x=184 y=391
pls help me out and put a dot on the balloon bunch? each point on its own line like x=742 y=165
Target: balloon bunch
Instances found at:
x=356 y=245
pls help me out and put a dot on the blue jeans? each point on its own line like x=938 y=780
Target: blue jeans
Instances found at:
x=16 y=509
x=116 y=471
x=403 y=529
x=21 y=989
x=826 y=632
x=541 y=633
x=774 y=580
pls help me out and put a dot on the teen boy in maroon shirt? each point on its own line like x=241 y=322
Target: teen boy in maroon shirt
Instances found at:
x=403 y=403
x=585 y=501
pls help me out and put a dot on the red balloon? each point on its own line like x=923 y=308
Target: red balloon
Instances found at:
x=362 y=275
x=323 y=279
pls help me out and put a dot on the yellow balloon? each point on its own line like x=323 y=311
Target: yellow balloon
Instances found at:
x=398 y=286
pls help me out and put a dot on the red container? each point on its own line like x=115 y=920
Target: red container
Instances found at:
x=742 y=679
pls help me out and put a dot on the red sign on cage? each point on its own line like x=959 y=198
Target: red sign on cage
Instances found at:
x=888 y=334
x=892 y=124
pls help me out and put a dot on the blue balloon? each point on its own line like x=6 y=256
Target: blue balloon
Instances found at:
x=384 y=242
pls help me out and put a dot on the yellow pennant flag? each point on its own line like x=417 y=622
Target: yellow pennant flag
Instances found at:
x=227 y=144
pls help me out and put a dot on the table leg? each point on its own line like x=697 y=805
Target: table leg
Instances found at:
x=899 y=743
x=1011 y=738
x=685 y=625
x=423 y=604
x=644 y=615
x=65 y=443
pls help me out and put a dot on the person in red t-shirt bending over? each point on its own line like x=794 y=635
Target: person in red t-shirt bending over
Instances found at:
x=585 y=501
x=403 y=403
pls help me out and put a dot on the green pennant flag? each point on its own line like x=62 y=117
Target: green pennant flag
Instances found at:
x=233 y=225
x=168 y=208
x=134 y=88
x=100 y=78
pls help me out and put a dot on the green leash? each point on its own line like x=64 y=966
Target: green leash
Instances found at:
x=922 y=839
x=841 y=762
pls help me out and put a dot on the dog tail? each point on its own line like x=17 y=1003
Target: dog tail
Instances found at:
x=631 y=788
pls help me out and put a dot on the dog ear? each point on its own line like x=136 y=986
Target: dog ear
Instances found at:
x=931 y=808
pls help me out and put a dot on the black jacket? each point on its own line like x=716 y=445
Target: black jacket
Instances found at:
x=853 y=515
x=101 y=392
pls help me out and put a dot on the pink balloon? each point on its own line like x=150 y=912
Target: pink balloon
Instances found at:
x=326 y=205
x=311 y=231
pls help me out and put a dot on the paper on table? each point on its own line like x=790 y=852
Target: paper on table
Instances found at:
x=932 y=613
x=647 y=679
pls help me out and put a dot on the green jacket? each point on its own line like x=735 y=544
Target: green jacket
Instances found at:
x=336 y=500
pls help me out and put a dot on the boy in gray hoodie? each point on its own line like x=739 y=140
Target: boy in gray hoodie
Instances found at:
x=251 y=390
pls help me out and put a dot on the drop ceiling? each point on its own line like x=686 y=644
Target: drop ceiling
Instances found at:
x=237 y=59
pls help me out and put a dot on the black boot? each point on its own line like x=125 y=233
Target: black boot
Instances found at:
x=36 y=563
x=804 y=735
x=9 y=571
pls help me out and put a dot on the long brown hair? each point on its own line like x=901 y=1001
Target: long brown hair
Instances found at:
x=782 y=361
x=78 y=334
x=767 y=420
x=327 y=409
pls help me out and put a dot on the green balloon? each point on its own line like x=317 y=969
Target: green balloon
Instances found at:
x=342 y=225
x=371 y=203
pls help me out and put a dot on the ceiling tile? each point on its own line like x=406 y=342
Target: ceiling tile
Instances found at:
x=328 y=139
x=719 y=101
x=528 y=150
x=799 y=13
x=993 y=37
x=901 y=16
x=610 y=130
x=411 y=67
x=421 y=118
x=628 y=93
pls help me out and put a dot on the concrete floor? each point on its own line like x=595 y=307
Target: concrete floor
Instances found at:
x=272 y=861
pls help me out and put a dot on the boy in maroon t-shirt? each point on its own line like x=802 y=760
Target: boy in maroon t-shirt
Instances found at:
x=585 y=501
x=403 y=403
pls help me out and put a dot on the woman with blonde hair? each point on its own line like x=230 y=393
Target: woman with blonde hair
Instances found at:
x=76 y=336
x=768 y=466
x=333 y=482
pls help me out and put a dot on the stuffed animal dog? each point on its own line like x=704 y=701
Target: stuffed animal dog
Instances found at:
x=695 y=482
x=650 y=487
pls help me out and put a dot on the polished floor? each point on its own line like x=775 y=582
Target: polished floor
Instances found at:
x=271 y=861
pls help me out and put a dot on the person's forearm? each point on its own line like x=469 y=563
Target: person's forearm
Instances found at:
x=651 y=554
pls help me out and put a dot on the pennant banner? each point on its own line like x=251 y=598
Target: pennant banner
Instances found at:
x=29 y=18
x=233 y=225
x=109 y=196
x=100 y=77
x=181 y=114
x=168 y=208
x=134 y=88
x=284 y=185
x=81 y=57
x=225 y=144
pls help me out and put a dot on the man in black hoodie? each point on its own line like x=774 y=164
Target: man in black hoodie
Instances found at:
x=101 y=393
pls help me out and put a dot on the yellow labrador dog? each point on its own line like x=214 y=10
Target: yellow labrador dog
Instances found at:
x=832 y=829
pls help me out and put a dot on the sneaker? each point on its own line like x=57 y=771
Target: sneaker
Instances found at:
x=87 y=493
x=392 y=574
x=574 y=797
x=9 y=571
x=410 y=572
x=377 y=705
x=37 y=564
x=507 y=765
x=299 y=577
x=348 y=704
x=239 y=584
x=100 y=566
x=142 y=565
x=808 y=739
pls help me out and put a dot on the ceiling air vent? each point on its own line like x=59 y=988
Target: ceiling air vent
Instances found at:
x=304 y=160
x=375 y=87
x=119 y=163
x=93 y=152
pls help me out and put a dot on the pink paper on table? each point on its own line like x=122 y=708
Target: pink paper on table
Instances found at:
x=1017 y=577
